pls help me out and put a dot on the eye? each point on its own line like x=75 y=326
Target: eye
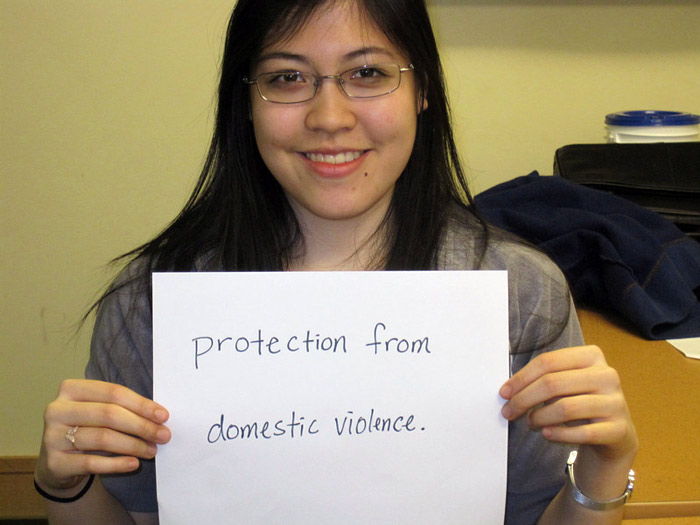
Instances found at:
x=367 y=73
x=285 y=78
x=292 y=77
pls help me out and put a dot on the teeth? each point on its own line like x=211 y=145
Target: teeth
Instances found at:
x=340 y=158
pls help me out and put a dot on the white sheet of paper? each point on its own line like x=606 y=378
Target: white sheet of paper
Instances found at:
x=689 y=347
x=334 y=397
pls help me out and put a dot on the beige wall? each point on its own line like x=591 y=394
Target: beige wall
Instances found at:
x=106 y=110
x=527 y=77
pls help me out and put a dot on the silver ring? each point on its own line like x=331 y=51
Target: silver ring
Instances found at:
x=70 y=436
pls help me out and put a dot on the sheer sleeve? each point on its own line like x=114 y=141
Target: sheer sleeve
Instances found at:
x=121 y=352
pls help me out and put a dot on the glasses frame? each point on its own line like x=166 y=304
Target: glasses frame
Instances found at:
x=318 y=79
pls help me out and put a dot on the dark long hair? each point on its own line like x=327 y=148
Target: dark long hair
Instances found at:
x=238 y=218
x=238 y=214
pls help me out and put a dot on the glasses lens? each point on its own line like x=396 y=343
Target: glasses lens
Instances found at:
x=289 y=87
x=371 y=81
x=286 y=87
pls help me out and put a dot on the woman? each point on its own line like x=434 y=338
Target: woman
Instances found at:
x=333 y=151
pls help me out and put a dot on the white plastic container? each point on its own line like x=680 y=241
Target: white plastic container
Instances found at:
x=629 y=127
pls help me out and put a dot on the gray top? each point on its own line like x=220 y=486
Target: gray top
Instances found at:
x=541 y=318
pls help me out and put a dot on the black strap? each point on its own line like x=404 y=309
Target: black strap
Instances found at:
x=65 y=500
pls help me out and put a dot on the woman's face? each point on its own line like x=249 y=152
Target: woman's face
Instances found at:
x=337 y=158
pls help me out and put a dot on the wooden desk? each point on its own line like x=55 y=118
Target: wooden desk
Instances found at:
x=662 y=388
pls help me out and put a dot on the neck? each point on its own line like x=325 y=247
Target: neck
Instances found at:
x=349 y=245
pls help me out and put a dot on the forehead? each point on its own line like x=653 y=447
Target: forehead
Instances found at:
x=335 y=31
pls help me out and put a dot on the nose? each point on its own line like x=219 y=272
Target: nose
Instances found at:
x=330 y=110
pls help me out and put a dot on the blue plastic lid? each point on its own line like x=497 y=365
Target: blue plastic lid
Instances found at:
x=652 y=118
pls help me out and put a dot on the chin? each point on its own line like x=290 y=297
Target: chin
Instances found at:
x=338 y=215
x=345 y=208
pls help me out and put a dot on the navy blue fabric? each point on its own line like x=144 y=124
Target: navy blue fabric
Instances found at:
x=614 y=253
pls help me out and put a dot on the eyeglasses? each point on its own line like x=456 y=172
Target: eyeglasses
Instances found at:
x=292 y=87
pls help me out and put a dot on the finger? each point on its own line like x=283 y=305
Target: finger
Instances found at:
x=87 y=390
x=552 y=362
x=88 y=414
x=71 y=465
x=90 y=439
x=117 y=418
x=549 y=388
x=98 y=403
x=577 y=409
x=595 y=433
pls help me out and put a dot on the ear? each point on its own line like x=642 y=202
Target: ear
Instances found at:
x=421 y=101
x=422 y=104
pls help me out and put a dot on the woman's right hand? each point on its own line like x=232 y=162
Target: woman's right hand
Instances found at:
x=110 y=419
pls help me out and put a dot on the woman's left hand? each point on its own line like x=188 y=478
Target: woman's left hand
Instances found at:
x=573 y=396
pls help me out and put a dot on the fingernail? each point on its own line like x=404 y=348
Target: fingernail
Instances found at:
x=163 y=435
x=506 y=411
x=152 y=449
x=160 y=414
x=505 y=392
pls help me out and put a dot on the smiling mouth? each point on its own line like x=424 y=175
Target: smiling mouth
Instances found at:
x=339 y=158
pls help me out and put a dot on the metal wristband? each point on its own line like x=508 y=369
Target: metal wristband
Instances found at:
x=79 y=495
x=593 y=504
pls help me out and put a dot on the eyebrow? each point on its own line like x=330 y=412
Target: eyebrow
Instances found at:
x=283 y=55
x=369 y=51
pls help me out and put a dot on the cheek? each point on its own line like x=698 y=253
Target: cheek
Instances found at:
x=395 y=117
x=270 y=143
x=394 y=128
x=274 y=128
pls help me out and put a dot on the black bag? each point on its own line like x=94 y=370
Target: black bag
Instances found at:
x=663 y=177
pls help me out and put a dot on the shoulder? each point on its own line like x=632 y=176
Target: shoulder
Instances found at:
x=531 y=273
x=127 y=300
x=469 y=245
x=121 y=348
x=541 y=312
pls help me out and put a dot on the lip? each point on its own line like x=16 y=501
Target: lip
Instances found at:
x=333 y=171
